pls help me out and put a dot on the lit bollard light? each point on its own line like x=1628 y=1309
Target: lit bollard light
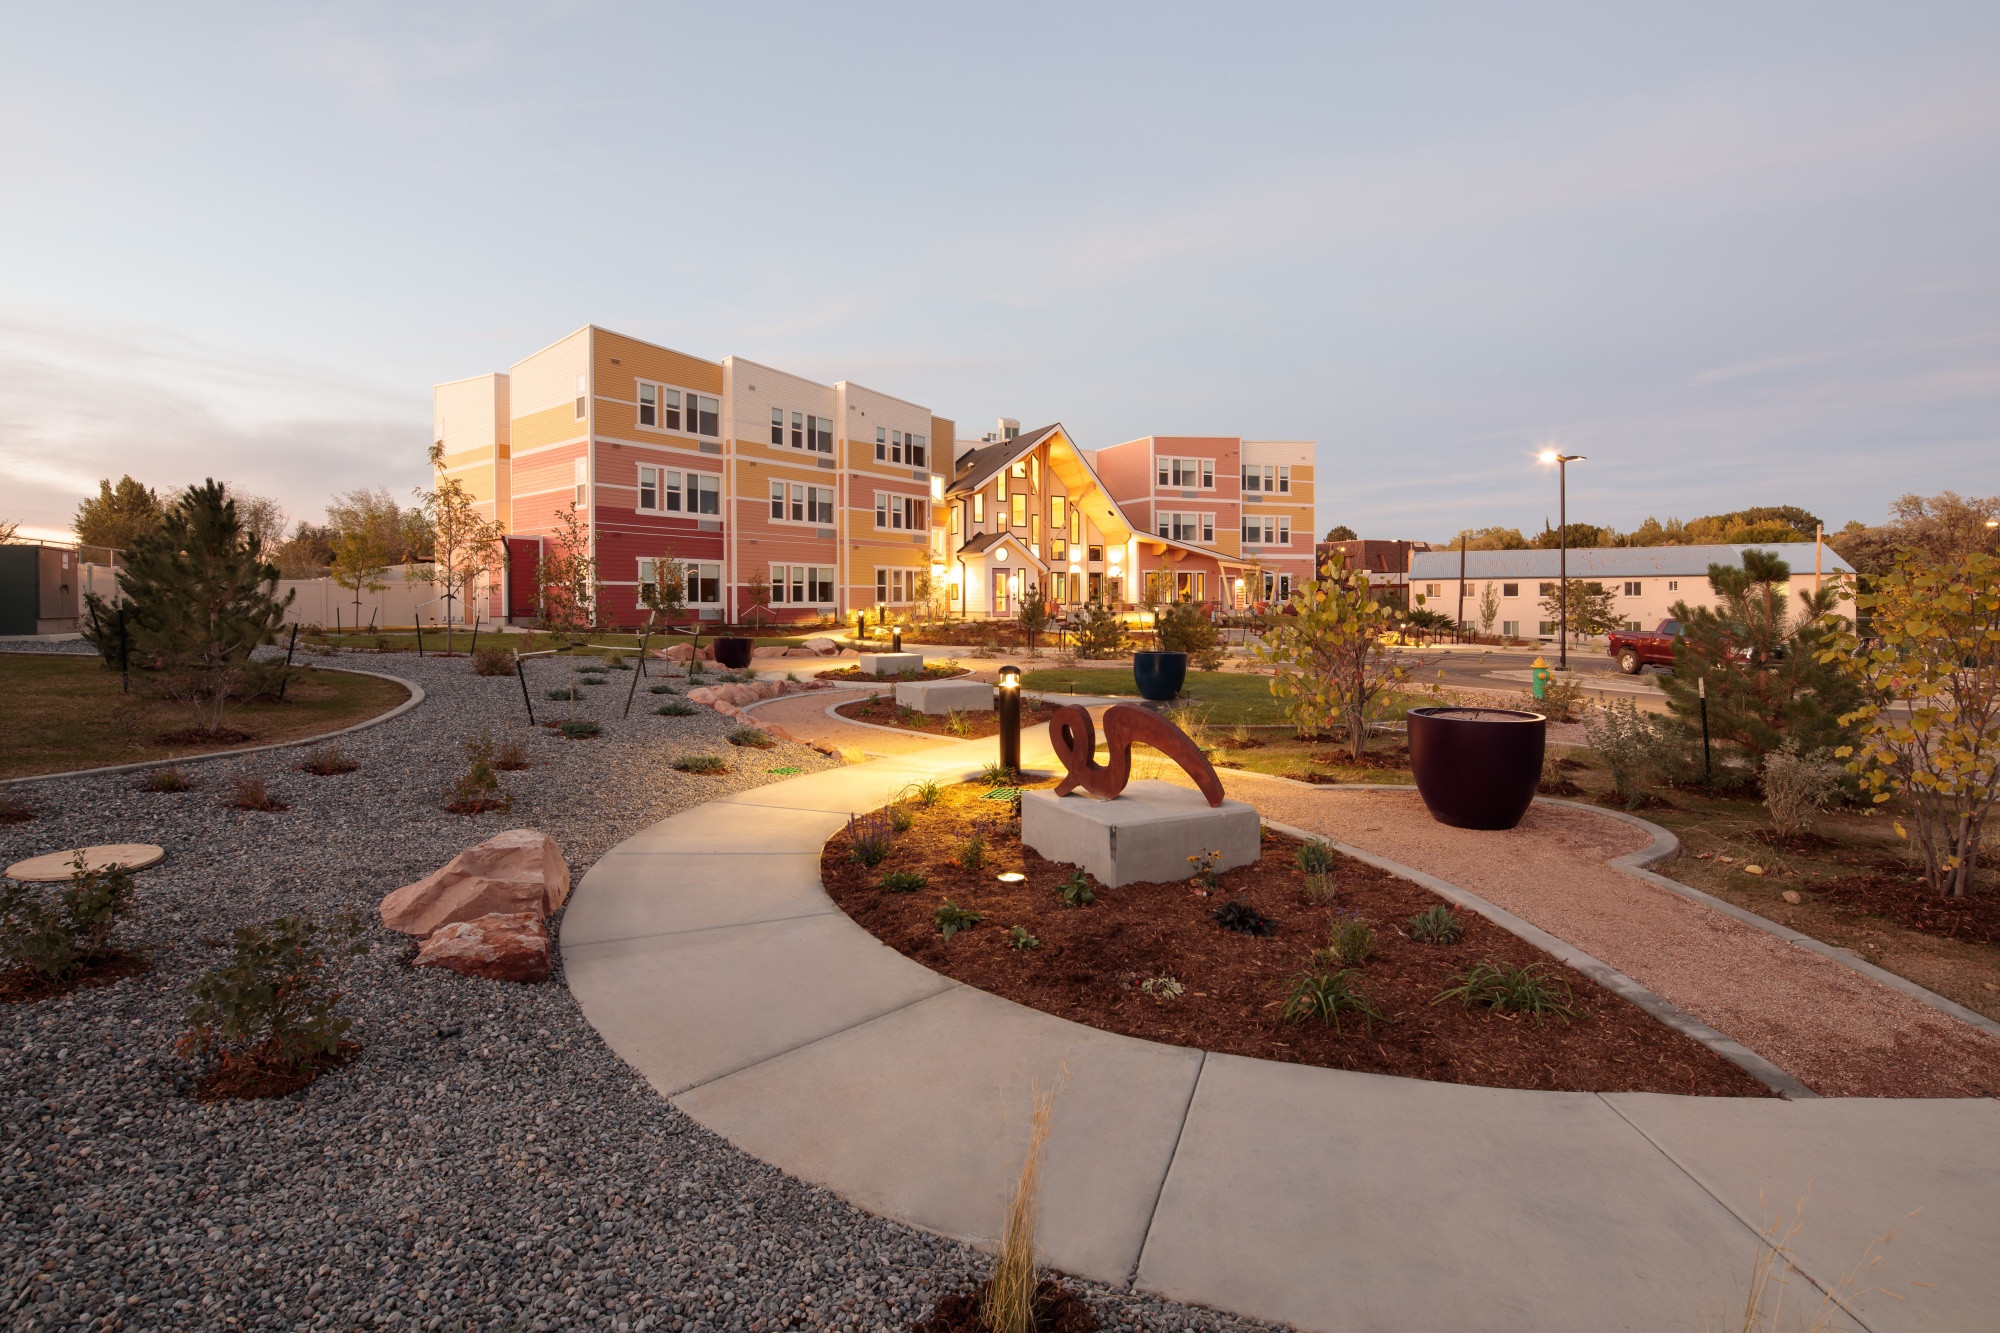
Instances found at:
x=1007 y=701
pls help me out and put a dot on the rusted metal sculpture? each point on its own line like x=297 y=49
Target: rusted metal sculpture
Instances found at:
x=1075 y=740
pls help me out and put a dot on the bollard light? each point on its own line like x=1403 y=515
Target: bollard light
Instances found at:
x=1007 y=701
x=896 y=639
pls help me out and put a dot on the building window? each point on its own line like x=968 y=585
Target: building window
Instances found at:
x=1253 y=478
x=1094 y=554
x=777 y=425
x=1000 y=484
x=1187 y=473
x=704 y=415
x=704 y=493
x=1632 y=590
x=881 y=444
x=649 y=488
x=954 y=520
x=1284 y=480
x=1510 y=590
x=798 y=430
x=1673 y=585
x=1057 y=523
x=1284 y=530
x=778 y=500
x=1510 y=629
x=979 y=508
x=821 y=431
x=900 y=513
x=1075 y=524
x=582 y=470
x=1187 y=527
x=895 y=587
x=1020 y=503
x=1547 y=627
x=1547 y=590
x=1433 y=590
x=809 y=504
x=915 y=450
x=1632 y=625
x=801 y=585
x=579 y=409
x=705 y=584
x=649 y=404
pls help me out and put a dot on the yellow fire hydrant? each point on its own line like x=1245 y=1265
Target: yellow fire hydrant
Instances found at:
x=1541 y=679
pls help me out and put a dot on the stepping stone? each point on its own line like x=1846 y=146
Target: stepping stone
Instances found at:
x=60 y=865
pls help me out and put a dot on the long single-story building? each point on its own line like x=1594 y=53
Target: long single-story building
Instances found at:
x=1645 y=581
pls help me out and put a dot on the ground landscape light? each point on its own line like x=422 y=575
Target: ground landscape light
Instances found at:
x=1011 y=877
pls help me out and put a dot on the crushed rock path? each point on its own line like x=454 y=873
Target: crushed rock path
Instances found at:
x=805 y=717
x=1838 y=1031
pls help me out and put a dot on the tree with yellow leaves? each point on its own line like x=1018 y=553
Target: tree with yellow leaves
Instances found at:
x=464 y=545
x=1330 y=658
x=1930 y=732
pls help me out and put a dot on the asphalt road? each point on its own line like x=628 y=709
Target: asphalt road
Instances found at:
x=1509 y=669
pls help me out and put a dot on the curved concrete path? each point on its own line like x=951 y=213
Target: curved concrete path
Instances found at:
x=706 y=953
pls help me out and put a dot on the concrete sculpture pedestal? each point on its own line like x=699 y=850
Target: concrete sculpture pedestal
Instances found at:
x=946 y=696
x=1145 y=834
x=890 y=664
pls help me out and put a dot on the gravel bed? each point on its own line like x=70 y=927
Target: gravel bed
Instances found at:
x=59 y=647
x=486 y=1162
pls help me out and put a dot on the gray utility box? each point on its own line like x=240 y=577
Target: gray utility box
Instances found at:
x=39 y=591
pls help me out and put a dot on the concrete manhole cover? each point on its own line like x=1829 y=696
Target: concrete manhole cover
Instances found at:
x=60 y=865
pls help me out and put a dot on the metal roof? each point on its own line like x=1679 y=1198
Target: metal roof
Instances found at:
x=1617 y=562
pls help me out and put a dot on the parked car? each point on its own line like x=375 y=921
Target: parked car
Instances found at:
x=1634 y=650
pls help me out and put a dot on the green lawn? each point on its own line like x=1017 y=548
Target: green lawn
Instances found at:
x=461 y=640
x=1229 y=696
x=69 y=712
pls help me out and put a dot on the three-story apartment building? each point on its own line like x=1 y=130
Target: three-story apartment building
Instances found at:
x=794 y=500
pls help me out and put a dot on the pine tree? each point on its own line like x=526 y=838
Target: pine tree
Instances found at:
x=201 y=597
x=117 y=517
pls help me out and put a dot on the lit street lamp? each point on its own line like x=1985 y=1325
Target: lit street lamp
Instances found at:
x=1562 y=462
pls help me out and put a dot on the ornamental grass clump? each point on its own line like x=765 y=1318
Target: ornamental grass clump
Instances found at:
x=14 y=809
x=248 y=792
x=1435 y=925
x=1797 y=786
x=903 y=881
x=576 y=729
x=676 y=708
x=869 y=838
x=1503 y=987
x=971 y=851
x=510 y=757
x=1327 y=996
x=1315 y=857
x=752 y=738
x=271 y=1008
x=56 y=934
x=171 y=778
x=701 y=763
x=493 y=662
x=1352 y=941
x=325 y=761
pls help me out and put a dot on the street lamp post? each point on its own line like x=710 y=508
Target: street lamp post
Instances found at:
x=1562 y=462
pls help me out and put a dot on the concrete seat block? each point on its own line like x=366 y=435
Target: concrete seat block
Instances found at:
x=945 y=696
x=891 y=664
x=1145 y=835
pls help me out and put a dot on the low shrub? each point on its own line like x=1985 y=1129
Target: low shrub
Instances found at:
x=1498 y=984
x=1633 y=744
x=660 y=689
x=1327 y=996
x=1075 y=891
x=1242 y=918
x=493 y=662
x=576 y=729
x=903 y=881
x=869 y=838
x=675 y=708
x=618 y=663
x=901 y=817
x=957 y=723
x=510 y=756
x=1319 y=890
x=701 y=763
x=323 y=761
x=55 y=933
x=564 y=695
x=1436 y=925
x=1352 y=941
x=248 y=792
x=14 y=809
x=1163 y=988
x=478 y=789
x=170 y=778
x=1019 y=938
x=1315 y=857
x=951 y=918
x=751 y=737
x=997 y=774
x=1204 y=877
x=1562 y=699
x=273 y=1003
x=1797 y=786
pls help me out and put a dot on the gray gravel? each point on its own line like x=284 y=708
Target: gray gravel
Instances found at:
x=487 y=1162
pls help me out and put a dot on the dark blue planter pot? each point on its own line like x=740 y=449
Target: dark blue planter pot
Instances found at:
x=733 y=653
x=1476 y=768
x=1159 y=675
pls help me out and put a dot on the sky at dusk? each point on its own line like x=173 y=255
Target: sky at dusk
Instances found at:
x=1734 y=254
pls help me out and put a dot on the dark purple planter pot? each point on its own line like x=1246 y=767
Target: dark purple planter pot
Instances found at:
x=1477 y=767
x=733 y=653
x=1159 y=676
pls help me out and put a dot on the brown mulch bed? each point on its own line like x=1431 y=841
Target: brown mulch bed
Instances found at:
x=1092 y=960
x=874 y=678
x=1644 y=800
x=196 y=736
x=1057 y=1310
x=884 y=711
x=1560 y=787
x=1396 y=758
x=1791 y=842
x=25 y=985
x=255 y=1074
x=1914 y=905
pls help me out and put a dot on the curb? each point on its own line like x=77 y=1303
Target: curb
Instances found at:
x=1605 y=975
x=416 y=697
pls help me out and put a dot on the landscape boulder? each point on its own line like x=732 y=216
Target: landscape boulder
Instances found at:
x=521 y=870
x=825 y=647
x=728 y=699
x=500 y=946
x=682 y=652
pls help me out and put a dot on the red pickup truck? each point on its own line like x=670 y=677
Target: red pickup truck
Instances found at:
x=1635 y=649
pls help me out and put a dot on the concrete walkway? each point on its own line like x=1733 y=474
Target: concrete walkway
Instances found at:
x=706 y=953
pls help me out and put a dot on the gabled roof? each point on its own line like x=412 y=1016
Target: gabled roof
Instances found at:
x=1618 y=562
x=980 y=464
x=986 y=541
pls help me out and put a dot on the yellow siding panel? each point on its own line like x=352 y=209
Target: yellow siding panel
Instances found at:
x=549 y=426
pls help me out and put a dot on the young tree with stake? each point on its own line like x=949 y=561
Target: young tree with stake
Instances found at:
x=463 y=545
x=1330 y=659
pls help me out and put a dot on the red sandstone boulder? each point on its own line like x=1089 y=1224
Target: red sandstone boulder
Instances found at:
x=501 y=946
x=521 y=870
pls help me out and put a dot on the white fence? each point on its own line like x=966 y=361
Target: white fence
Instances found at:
x=325 y=603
